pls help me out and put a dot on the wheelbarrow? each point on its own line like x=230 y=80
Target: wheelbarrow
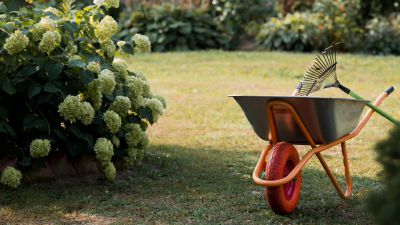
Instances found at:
x=285 y=121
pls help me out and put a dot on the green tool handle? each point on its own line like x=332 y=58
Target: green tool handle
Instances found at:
x=376 y=109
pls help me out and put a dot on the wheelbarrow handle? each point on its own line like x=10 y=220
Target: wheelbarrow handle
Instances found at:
x=296 y=89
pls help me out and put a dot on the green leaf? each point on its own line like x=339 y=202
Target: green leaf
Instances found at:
x=52 y=15
x=26 y=161
x=13 y=5
x=29 y=120
x=51 y=87
x=28 y=55
x=16 y=21
x=97 y=119
x=8 y=87
x=86 y=76
x=9 y=128
x=75 y=130
x=146 y=114
x=28 y=70
x=90 y=57
x=3 y=129
x=10 y=60
x=110 y=97
x=76 y=63
x=43 y=97
x=3 y=8
x=128 y=49
x=54 y=69
x=61 y=133
x=17 y=80
x=90 y=140
x=33 y=90
x=121 y=132
x=9 y=27
x=4 y=112
x=134 y=119
x=40 y=124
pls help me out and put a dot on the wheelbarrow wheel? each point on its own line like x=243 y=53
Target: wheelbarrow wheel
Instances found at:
x=281 y=161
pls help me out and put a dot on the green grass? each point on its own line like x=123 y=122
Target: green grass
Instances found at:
x=203 y=151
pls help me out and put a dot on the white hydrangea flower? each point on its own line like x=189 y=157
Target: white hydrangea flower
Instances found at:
x=133 y=134
x=87 y=113
x=57 y=36
x=121 y=106
x=113 y=121
x=106 y=28
x=141 y=75
x=45 y=24
x=104 y=149
x=145 y=88
x=111 y=3
x=162 y=100
x=16 y=42
x=136 y=102
x=107 y=48
x=134 y=86
x=71 y=48
x=93 y=94
x=94 y=67
x=106 y=81
x=132 y=153
x=109 y=170
x=142 y=43
x=40 y=148
x=144 y=142
x=119 y=66
x=120 y=43
x=155 y=107
x=115 y=141
x=53 y=10
x=11 y=177
x=98 y=2
x=70 y=108
x=48 y=42
x=121 y=61
x=75 y=57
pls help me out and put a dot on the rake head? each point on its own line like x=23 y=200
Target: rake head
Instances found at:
x=321 y=74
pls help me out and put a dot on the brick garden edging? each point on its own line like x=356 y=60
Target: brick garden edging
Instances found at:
x=58 y=166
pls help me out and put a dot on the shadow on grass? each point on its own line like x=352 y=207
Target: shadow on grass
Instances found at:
x=176 y=184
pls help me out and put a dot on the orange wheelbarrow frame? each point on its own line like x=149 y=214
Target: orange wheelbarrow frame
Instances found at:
x=316 y=150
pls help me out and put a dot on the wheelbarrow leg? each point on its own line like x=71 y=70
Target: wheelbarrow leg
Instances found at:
x=346 y=171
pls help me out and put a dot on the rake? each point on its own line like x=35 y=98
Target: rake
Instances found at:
x=322 y=74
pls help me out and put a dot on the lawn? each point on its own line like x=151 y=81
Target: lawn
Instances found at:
x=203 y=150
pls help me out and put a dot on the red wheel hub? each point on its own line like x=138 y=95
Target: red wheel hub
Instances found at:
x=288 y=188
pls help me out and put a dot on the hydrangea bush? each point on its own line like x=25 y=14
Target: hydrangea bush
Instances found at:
x=64 y=87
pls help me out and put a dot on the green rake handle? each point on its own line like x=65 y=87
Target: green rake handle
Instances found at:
x=376 y=109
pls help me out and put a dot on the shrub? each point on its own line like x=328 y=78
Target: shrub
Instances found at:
x=298 y=32
x=174 y=28
x=384 y=205
x=327 y=22
x=62 y=88
x=235 y=15
x=382 y=36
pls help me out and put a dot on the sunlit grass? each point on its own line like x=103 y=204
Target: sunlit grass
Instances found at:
x=203 y=150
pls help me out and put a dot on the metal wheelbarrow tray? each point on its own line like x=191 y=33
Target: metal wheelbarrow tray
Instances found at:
x=326 y=119
x=285 y=121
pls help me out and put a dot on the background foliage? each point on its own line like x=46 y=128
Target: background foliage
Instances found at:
x=174 y=28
